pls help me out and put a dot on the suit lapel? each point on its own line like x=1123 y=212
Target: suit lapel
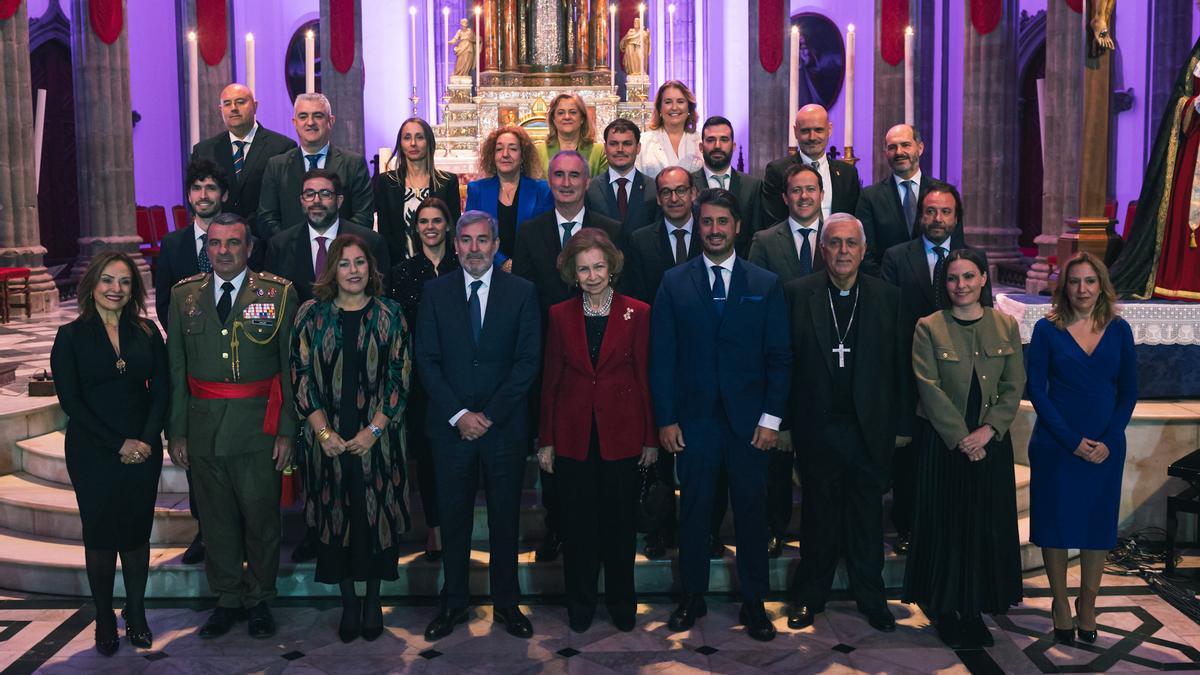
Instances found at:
x=495 y=299
x=819 y=311
x=614 y=332
x=920 y=270
x=206 y=301
x=257 y=154
x=577 y=344
x=699 y=277
x=786 y=242
x=893 y=192
x=637 y=197
x=733 y=296
x=224 y=156
x=295 y=175
x=302 y=250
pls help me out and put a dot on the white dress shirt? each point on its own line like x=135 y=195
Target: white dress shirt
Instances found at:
x=613 y=175
x=323 y=152
x=578 y=220
x=196 y=230
x=237 y=286
x=657 y=153
x=247 y=139
x=329 y=234
x=916 y=181
x=714 y=180
x=822 y=167
x=798 y=239
x=483 y=298
x=687 y=237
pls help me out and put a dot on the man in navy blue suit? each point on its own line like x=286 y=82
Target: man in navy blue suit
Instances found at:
x=477 y=353
x=720 y=367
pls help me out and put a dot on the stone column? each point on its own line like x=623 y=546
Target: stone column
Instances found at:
x=888 y=99
x=345 y=90
x=1063 y=119
x=20 y=240
x=769 y=116
x=600 y=38
x=212 y=78
x=104 y=143
x=989 y=149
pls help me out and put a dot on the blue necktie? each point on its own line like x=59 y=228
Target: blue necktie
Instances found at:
x=567 y=229
x=805 y=252
x=312 y=161
x=239 y=157
x=476 y=310
x=718 y=289
x=910 y=206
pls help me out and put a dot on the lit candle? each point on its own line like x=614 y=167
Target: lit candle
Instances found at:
x=412 y=25
x=478 y=48
x=310 y=62
x=612 y=44
x=446 y=43
x=671 y=45
x=250 y=61
x=642 y=22
x=848 y=123
x=193 y=90
x=908 y=76
x=793 y=82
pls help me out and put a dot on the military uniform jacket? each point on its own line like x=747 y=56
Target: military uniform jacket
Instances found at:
x=253 y=344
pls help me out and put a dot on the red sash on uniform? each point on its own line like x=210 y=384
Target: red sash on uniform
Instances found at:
x=269 y=388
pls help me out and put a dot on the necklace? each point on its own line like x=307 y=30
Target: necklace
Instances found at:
x=842 y=350
x=603 y=309
x=120 y=360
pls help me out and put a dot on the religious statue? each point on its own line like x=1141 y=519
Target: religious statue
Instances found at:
x=635 y=50
x=465 y=46
x=1161 y=257
x=1101 y=36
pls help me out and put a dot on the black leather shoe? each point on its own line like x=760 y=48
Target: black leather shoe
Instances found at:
x=692 y=607
x=194 y=555
x=372 y=621
x=624 y=622
x=307 y=548
x=516 y=623
x=350 y=625
x=881 y=620
x=262 y=624
x=656 y=547
x=432 y=555
x=975 y=632
x=219 y=622
x=716 y=550
x=443 y=624
x=107 y=640
x=801 y=616
x=138 y=630
x=775 y=546
x=581 y=621
x=548 y=550
x=949 y=631
x=758 y=625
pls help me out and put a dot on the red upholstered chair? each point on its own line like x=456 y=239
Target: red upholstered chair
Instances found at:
x=145 y=229
x=1130 y=212
x=158 y=218
x=14 y=281
x=180 y=215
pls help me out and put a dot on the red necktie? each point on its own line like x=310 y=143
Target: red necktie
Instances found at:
x=321 y=251
x=622 y=197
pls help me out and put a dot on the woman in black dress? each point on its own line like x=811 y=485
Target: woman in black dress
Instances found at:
x=350 y=371
x=110 y=369
x=435 y=258
x=400 y=190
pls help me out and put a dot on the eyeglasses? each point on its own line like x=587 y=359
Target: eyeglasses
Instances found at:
x=309 y=195
x=681 y=192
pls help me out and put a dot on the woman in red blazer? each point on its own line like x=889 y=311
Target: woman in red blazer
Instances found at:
x=597 y=426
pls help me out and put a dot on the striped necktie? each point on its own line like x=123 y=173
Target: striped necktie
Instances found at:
x=239 y=157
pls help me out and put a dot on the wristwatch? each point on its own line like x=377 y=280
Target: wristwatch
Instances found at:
x=375 y=431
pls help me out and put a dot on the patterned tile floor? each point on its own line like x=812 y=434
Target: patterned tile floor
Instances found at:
x=1139 y=632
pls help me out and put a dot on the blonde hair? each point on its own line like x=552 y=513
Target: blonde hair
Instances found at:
x=1062 y=313
x=656 y=117
x=586 y=133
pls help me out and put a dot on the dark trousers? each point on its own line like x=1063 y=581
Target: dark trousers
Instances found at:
x=600 y=530
x=699 y=467
x=193 y=505
x=241 y=522
x=421 y=450
x=779 y=492
x=457 y=464
x=664 y=467
x=904 y=487
x=841 y=516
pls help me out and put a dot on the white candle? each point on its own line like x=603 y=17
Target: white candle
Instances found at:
x=848 y=123
x=908 y=76
x=193 y=90
x=671 y=46
x=446 y=43
x=642 y=22
x=793 y=82
x=412 y=25
x=478 y=48
x=250 y=61
x=385 y=158
x=310 y=63
x=39 y=127
x=612 y=45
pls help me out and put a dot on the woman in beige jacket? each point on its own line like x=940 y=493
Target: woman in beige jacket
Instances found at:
x=965 y=557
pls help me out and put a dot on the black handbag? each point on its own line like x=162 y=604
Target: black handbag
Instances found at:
x=654 y=502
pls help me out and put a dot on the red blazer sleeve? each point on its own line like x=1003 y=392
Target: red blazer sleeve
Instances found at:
x=552 y=372
x=641 y=364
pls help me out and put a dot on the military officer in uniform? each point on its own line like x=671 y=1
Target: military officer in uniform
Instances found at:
x=232 y=420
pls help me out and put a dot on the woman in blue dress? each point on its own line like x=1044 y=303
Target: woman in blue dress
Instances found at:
x=1082 y=376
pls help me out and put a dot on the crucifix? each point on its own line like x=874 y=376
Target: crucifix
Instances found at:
x=841 y=351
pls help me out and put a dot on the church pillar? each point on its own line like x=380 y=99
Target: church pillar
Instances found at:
x=213 y=30
x=1063 y=120
x=600 y=39
x=888 y=96
x=342 y=77
x=769 y=117
x=990 y=136
x=103 y=137
x=20 y=240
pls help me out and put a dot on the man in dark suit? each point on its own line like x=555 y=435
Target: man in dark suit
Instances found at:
x=184 y=254
x=916 y=267
x=717 y=148
x=623 y=193
x=535 y=257
x=846 y=406
x=242 y=151
x=279 y=207
x=298 y=253
x=888 y=209
x=478 y=350
x=790 y=250
x=669 y=241
x=839 y=178
x=720 y=364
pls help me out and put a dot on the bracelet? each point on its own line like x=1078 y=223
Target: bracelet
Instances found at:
x=375 y=431
x=323 y=434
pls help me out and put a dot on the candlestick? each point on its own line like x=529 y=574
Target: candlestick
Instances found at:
x=193 y=90
x=385 y=158
x=671 y=38
x=446 y=44
x=848 y=122
x=908 y=76
x=39 y=127
x=412 y=24
x=478 y=49
x=793 y=82
x=250 y=61
x=310 y=62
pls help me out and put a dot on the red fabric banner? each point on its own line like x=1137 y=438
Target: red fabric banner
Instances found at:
x=985 y=15
x=107 y=19
x=341 y=34
x=772 y=26
x=1076 y=5
x=893 y=19
x=8 y=8
x=212 y=30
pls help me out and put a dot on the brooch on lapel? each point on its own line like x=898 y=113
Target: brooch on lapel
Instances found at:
x=259 y=292
x=272 y=292
x=628 y=313
x=189 y=306
x=259 y=310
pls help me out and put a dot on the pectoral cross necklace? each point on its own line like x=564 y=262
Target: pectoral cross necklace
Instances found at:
x=841 y=349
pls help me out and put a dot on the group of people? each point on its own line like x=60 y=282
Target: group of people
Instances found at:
x=644 y=309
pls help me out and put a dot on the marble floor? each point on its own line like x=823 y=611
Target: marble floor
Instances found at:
x=1139 y=632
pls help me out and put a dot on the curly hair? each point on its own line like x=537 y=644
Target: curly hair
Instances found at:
x=656 y=117
x=487 y=152
x=1062 y=313
x=587 y=134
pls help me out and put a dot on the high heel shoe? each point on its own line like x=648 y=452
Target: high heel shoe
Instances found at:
x=1085 y=635
x=1063 y=636
x=105 y=644
x=372 y=611
x=139 y=635
x=350 y=626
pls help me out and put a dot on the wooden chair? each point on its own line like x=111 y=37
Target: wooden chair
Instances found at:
x=14 y=281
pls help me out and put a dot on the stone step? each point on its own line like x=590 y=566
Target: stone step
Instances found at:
x=40 y=507
x=45 y=457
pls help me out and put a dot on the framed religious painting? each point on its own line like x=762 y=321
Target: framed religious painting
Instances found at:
x=822 y=59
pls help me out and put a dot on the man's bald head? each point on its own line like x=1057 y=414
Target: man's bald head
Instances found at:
x=238 y=108
x=812 y=129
